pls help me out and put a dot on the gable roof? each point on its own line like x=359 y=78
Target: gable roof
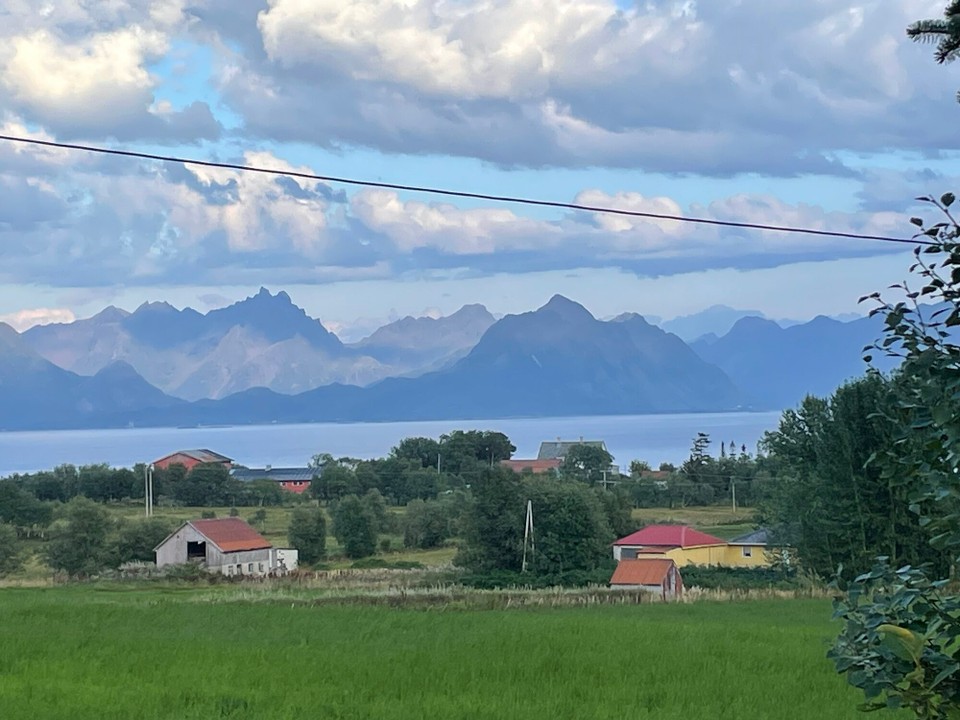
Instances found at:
x=558 y=450
x=643 y=571
x=303 y=474
x=537 y=466
x=200 y=455
x=756 y=537
x=230 y=534
x=670 y=536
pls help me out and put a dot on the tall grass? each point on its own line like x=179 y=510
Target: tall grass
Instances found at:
x=88 y=652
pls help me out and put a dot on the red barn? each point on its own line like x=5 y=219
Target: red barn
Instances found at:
x=191 y=458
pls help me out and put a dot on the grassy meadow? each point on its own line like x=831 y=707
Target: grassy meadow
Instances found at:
x=101 y=652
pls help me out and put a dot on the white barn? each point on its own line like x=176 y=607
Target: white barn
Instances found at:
x=225 y=545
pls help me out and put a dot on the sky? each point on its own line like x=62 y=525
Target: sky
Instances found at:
x=816 y=114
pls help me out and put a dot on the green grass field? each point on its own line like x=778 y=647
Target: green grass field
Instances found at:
x=98 y=652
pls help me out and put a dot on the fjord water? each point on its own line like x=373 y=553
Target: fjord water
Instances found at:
x=654 y=438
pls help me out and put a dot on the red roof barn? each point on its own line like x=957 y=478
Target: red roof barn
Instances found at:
x=668 y=536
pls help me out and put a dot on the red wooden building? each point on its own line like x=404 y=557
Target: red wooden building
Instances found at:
x=191 y=458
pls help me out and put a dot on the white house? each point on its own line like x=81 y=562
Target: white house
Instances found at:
x=225 y=545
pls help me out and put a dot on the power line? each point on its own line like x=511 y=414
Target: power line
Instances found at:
x=460 y=193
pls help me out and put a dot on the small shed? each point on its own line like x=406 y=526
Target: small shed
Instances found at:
x=659 y=576
x=224 y=545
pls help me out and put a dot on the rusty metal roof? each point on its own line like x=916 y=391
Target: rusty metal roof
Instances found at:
x=200 y=455
x=642 y=571
x=231 y=534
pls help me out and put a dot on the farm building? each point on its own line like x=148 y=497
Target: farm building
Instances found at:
x=296 y=480
x=655 y=575
x=537 y=467
x=687 y=546
x=191 y=458
x=225 y=545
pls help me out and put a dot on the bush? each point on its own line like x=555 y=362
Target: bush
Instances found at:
x=78 y=539
x=426 y=524
x=379 y=563
x=136 y=540
x=723 y=578
x=308 y=533
x=208 y=514
x=502 y=579
x=354 y=526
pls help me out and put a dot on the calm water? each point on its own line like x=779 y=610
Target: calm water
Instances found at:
x=655 y=438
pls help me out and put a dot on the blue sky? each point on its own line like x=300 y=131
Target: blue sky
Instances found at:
x=813 y=114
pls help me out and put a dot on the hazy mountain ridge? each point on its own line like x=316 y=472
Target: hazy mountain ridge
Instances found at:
x=557 y=360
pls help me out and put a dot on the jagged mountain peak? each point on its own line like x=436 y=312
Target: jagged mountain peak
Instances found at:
x=565 y=308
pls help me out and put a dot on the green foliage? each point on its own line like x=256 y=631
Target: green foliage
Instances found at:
x=308 y=533
x=502 y=579
x=207 y=484
x=376 y=506
x=426 y=524
x=136 y=540
x=425 y=451
x=372 y=563
x=258 y=518
x=724 y=578
x=11 y=550
x=79 y=538
x=355 y=527
x=20 y=507
x=588 y=463
x=901 y=641
x=571 y=527
x=830 y=499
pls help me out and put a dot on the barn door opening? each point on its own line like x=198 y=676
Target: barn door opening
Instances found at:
x=196 y=550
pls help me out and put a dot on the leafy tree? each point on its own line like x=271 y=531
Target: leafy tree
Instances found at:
x=424 y=451
x=639 y=467
x=426 y=524
x=265 y=493
x=308 y=533
x=258 y=518
x=354 y=526
x=334 y=482
x=374 y=503
x=136 y=540
x=79 y=543
x=493 y=523
x=11 y=551
x=617 y=507
x=899 y=642
x=103 y=483
x=587 y=463
x=207 y=484
x=19 y=507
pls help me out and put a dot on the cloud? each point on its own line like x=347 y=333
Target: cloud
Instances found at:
x=25 y=319
x=83 y=70
x=674 y=86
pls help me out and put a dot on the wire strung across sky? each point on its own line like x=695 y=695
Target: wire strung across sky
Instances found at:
x=461 y=194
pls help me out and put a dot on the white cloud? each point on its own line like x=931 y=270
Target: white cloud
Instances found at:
x=25 y=319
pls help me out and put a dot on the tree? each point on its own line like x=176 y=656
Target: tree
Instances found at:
x=136 y=540
x=354 y=526
x=639 y=467
x=426 y=524
x=945 y=32
x=374 y=503
x=423 y=450
x=334 y=482
x=19 y=507
x=493 y=523
x=899 y=638
x=587 y=463
x=308 y=533
x=78 y=539
x=207 y=484
x=11 y=551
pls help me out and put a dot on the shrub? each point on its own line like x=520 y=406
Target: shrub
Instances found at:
x=308 y=533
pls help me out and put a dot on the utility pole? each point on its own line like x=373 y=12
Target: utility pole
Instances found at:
x=733 y=493
x=528 y=536
x=148 y=490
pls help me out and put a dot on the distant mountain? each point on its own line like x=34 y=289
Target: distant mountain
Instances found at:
x=264 y=340
x=777 y=367
x=716 y=319
x=426 y=341
x=35 y=393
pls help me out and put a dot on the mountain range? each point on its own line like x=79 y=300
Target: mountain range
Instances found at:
x=265 y=360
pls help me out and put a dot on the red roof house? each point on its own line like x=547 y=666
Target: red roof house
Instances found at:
x=656 y=575
x=537 y=467
x=191 y=458
x=681 y=543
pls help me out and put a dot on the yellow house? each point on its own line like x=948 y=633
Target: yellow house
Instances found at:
x=687 y=546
